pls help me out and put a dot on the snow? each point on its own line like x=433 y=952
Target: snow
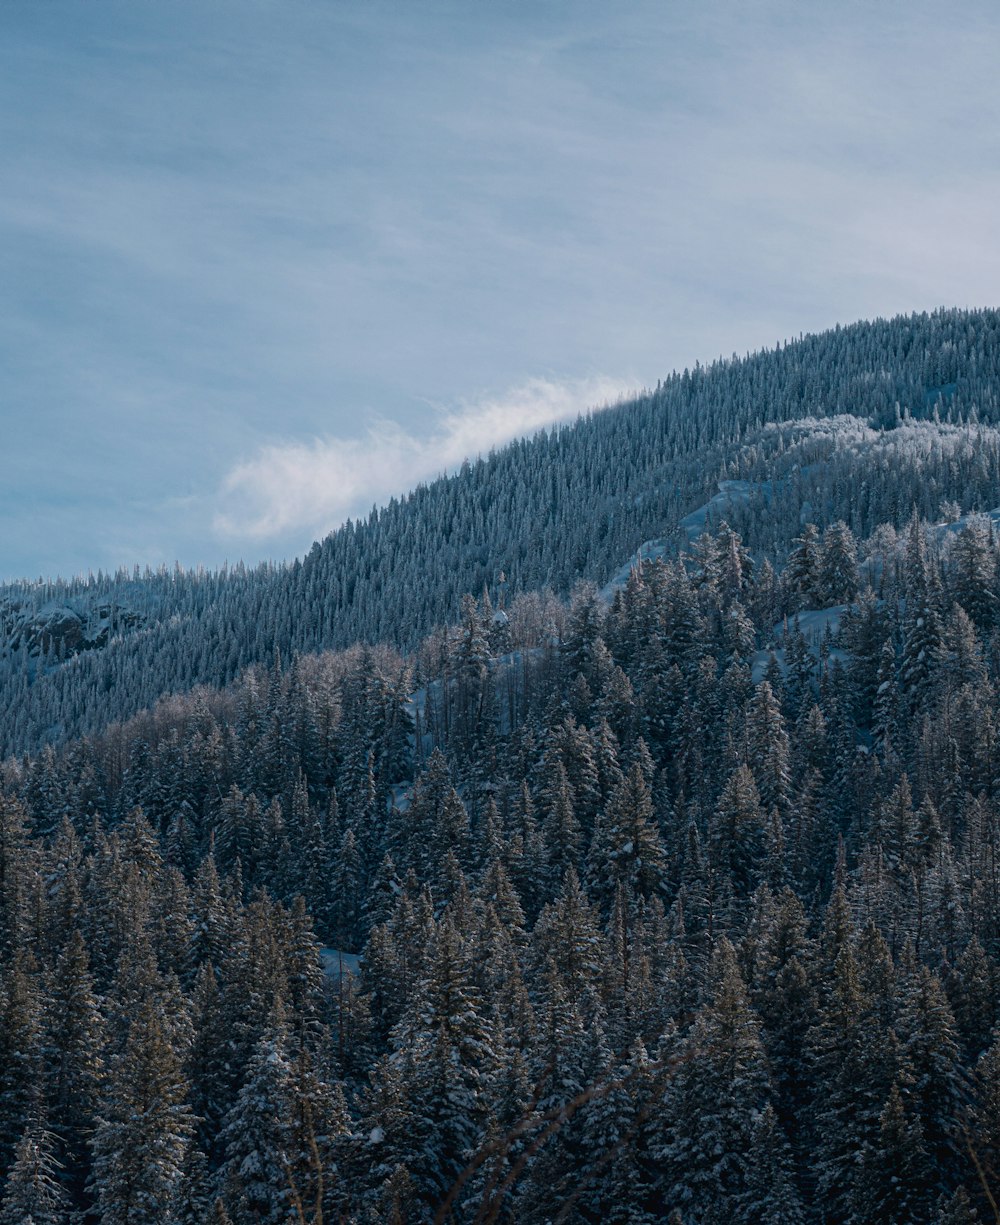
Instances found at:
x=814 y=622
x=649 y=550
x=416 y=707
x=759 y=661
x=731 y=493
x=843 y=433
x=816 y=625
x=334 y=960
x=954 y=528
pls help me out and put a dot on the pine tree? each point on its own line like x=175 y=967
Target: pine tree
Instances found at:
x=892 y=1186
x=567 y=937
x=929 y=1049
x=885 y=708
x=347 y=895
x=713 y=1104
x=583 y=629
x=957 y=1209
x=802 y=569
x=737 y=833
x=626 y=848
x=731 y=565
x=855 y=1063
x=195 y=1204
x=74 y=1039
x=33 y=1194
x=800 y=666
x=20 y=1050
x=257 y=1133
x=561 y=828
x=768 y=749
x=15 y=865
x=610 y=1153
x=838 y=571
x=923 y=639
x=772 y=1197
x=141 y=1138
x=973 y=998
x=219 y=1214
x=983 y=1135
x=445 y=1054
x=973 y=558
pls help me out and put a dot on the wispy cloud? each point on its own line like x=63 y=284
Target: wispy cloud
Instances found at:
x=215 y=213
x=315 y=486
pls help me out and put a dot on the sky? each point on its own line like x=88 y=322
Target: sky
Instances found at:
x=266 y=263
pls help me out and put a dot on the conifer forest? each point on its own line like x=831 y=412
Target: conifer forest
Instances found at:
x=607 y=832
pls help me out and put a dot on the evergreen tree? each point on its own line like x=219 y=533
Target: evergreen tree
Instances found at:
x=713 y=1104
x=855 y=1063
x=838 y=570
x=74 y=1040
x=737 y=833
x=768 y=749
x=257 y=1133
x=973 y=558
x=893 y=1185
x=929 y=1049
x=141 y=1137
x=33 y=1194
x=772 y=1197
x=802 y=570
x=20 y=1050
x=626 y=848
x=445 y=1054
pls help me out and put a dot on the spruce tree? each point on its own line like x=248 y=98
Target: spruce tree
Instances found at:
x=256 y=1135
x=144 y=1128
x=706 y=1151
x=737 y=833
x=33 y=1194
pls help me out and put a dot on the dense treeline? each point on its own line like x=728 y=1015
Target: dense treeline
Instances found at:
x=900 y=413
x=683 y=908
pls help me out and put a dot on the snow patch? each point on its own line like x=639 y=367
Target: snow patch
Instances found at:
x=337 y=963
x=731 y=494
x=817 y=625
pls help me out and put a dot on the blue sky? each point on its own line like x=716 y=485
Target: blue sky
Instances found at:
x=263 y=264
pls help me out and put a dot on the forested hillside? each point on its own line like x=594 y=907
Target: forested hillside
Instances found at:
x=671 y=912
x=858 y=424
x=675 y=899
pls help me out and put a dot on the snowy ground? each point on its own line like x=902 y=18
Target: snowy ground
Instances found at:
x=731 y=493
x=992 y=515
x=649 y=550
x=335 y=962
x=814 y=624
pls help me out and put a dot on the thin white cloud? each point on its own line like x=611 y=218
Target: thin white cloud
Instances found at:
x=315 y=486
x=211 y=210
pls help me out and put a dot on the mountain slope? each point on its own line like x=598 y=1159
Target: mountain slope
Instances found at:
x=571 y=503
x=677 y=904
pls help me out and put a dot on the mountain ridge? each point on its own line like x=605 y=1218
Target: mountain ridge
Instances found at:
x=572 y=503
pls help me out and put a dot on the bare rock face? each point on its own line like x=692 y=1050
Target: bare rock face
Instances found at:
x=60 y=630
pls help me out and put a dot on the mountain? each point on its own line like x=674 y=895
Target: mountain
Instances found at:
x=656 y=881
x=862 y=424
